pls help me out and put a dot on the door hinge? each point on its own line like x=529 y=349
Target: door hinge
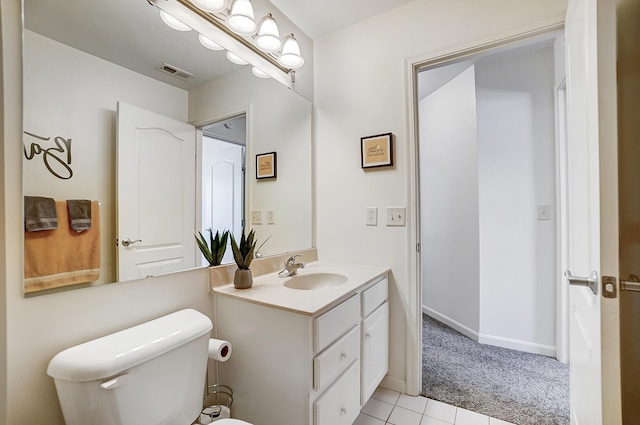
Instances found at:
x=418 y=247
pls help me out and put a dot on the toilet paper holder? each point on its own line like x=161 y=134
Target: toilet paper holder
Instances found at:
x=220 y=395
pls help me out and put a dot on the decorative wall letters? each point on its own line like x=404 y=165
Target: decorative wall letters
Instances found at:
x=57 y=158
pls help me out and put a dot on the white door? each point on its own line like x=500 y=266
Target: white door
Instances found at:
x=223 y=188
x=155 y=194
x=589 y=31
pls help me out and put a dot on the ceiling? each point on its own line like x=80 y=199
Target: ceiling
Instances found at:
x=320 y=17
x=130 y=33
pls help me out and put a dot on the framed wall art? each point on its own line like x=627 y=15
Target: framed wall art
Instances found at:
x=267 y=165
x=377 y=151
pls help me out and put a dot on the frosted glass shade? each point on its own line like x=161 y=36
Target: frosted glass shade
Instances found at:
x=206 y=42
x=211 y=6
x=240 y=18
x=268 y=39
x=259 y=73
x=236 y=59
x=173 y=22
x=290 y=56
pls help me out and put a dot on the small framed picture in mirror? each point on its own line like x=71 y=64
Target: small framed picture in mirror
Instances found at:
x=267 y=165
x=377 y=151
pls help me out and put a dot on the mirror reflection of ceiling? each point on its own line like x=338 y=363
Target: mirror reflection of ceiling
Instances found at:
x=129 y=33
x=118 y=33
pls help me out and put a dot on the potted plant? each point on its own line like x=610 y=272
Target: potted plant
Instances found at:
x=243 y=254
x=214 y=251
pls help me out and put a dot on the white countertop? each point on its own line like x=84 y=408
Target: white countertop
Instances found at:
x=269 y=289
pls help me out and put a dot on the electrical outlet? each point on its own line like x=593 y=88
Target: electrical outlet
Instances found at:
x=372 y=216
x=256 y=217
x=396 y=216
x=271 y=217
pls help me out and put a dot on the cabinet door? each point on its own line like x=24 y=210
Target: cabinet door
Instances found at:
x=375 y=350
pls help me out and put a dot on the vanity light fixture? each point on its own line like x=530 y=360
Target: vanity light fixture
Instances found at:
x=211 y=6
x=174 y=23
x=214 y=28
x=268 y=37
x=290 y=56
x=209 y=44
x=240 y=18
x=236 y=59
x=259 y=73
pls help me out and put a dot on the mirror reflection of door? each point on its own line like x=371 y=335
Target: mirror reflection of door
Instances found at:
x=223 y=178
x=156 y=200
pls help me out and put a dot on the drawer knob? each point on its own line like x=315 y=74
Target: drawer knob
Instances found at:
x=343 y=355
x=343 y=411
x=367 y=335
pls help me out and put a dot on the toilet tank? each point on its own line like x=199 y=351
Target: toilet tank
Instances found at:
x=152 y=374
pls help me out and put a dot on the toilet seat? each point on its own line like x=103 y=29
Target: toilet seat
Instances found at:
x=231 y=422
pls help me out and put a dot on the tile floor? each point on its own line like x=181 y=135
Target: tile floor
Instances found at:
x=390 y=407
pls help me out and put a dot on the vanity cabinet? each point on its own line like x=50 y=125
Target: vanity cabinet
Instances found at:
x=292 y=368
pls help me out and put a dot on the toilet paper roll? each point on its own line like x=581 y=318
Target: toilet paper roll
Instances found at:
x=219 y=350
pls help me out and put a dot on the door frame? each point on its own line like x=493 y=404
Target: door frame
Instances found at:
x=246 y=111
x=412 y=66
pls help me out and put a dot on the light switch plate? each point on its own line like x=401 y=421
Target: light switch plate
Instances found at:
x=271 y=217
x=256 y=217
x=372 y=216
x=396 y=216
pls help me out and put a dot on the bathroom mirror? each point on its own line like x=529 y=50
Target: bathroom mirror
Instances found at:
x=80 y=61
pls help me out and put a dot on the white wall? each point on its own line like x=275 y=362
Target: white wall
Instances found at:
x=279 y=120
x=74 y=95
x=361 y=89
x=516 y=174
x=449 y=202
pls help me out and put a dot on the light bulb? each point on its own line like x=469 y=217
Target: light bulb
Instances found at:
x=259 y=73
x=240 y=18
x=173 y=22
x=290 y=56
x=211 y=6
x=206 y=42
x=268 y=39
x=236 y=59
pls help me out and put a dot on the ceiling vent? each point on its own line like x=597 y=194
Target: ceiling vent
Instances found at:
x=175 y=71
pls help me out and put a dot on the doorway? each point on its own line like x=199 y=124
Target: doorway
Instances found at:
x=490 y=208
x=223 y=164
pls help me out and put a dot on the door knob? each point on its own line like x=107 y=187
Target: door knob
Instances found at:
x=126 y=242
x=590 y=281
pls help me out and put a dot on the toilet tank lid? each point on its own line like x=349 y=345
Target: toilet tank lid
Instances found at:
x=107 y=356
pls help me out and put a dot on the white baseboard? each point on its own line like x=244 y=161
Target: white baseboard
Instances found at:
x=513 y=344
x=468 y=332
x=394 y=384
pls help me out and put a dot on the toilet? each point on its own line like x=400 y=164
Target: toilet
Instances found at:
x=152 y=374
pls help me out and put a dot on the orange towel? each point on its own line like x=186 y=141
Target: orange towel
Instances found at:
x=55 y=258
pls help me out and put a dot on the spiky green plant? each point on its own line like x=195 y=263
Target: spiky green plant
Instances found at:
x=214 y=251
x=243 y=252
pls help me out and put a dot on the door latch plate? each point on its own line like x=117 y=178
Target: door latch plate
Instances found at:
x=609 y=287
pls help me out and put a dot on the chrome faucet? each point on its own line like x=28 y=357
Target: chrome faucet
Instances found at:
x=291 y=267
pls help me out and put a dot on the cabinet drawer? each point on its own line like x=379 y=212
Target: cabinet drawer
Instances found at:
x=335 y=359
x=340 y=405
x=374 y=296
x=331 y=325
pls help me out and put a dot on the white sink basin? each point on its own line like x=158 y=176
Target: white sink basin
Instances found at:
x=315 y=281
